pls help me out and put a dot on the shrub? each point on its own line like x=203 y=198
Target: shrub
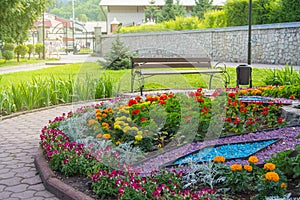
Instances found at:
x=30 y=50
x=119 y=57
x=8 y=55
x=39 y=49
x=8 y=46
x=215 y=19
x=286 y=76
x=20 y=50
x=0 y=54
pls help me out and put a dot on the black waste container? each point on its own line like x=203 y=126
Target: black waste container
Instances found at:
x=244 y=75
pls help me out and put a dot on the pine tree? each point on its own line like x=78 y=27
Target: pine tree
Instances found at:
x=152 y=12
x=119 y=57
x=167 y=11
x=201 y=7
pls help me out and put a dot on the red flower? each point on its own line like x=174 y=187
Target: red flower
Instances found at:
x=264 y=113
x=143 y=119
x=204 y=110
x=236 y=121
x=280 y=120
x=231 y=95
x=162 y=102
x=200 y=100
x=135 y=112
x=132 y=102
x=138 y=98
x=292 y=97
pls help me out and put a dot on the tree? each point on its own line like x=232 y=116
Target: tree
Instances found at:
x=152 y=12
x=83 y=18
x=17 y=17
x=261 y=11
x=20 y=50
x=167 y=11
x=119 y=57
x=39 y=49
x=237 y=12
x=201 y=7
x=290 y=10
x=30 y=50
x=179 y=9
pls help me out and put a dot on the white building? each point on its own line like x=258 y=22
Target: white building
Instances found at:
x=133 y=11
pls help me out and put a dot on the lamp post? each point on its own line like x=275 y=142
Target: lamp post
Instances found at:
x=73 y=24
x=249 y=31
x=43 y=35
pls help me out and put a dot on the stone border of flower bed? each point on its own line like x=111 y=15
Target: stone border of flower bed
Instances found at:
x=53 y=184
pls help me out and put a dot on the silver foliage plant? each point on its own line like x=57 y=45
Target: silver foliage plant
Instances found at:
x=207 y=174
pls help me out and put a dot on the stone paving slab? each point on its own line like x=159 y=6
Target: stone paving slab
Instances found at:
x=19 y=139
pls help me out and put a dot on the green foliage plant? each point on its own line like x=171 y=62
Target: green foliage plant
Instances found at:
x=286 y=76
x=8 y=55
x=39 y=49
x=214 y=19
x=30 y=50
x=201 y=7
x=9 y=46
x=20 y=50
x=119 y=57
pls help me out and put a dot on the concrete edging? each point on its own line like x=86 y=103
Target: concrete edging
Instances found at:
x=53 y=184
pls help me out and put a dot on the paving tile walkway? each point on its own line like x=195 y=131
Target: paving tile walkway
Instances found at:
x=19 y=138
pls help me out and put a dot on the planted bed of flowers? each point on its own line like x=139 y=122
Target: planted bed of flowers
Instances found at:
x=123 y=145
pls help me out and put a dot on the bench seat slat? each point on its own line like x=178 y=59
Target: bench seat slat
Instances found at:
x=173 y=65
x=211 y=71
x=141 y=60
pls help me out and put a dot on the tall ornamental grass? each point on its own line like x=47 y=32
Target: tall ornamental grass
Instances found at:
x=41 y=92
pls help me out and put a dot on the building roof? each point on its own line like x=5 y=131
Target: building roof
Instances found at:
x=147 y=2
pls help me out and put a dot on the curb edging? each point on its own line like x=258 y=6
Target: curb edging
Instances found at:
x=53 y=184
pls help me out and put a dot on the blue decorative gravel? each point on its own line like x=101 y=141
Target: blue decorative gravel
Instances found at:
x=229 y=151
x=253 y=98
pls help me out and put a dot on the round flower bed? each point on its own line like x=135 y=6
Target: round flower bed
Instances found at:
x=108 y=141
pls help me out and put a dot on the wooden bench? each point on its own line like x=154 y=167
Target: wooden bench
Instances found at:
x=172 y=66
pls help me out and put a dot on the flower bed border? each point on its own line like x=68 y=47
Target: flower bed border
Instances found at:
x=52 y=183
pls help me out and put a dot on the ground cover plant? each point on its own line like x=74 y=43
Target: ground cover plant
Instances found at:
x=106 y=141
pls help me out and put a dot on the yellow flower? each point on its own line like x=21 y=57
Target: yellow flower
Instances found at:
x=269 y=166
x=253 y=159
x=219 y=159
x=106 y=136
x=118 y=143
x=126 y=129
x=283 y=185
x=272 y=176
x=248 y=168
x=236 y=167
x=134 y=128
x=138 y=137
x=117 y=127
x=128 y=119
x=140 y=132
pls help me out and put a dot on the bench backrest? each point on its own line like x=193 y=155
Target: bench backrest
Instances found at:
x=171 y=63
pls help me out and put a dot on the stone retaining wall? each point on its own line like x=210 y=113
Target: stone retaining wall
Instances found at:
x=271 y=44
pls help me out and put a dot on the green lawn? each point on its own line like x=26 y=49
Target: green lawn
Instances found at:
x=122 y=77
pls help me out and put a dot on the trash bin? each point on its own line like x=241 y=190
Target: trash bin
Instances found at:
x=244 y=75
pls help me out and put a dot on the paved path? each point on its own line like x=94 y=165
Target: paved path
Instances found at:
x=19 y=138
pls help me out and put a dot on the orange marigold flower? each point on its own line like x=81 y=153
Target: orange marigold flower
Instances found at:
x=219 y=159
x=269 y=166
x=99 y=135
x=236 y=167
x=283 y=185
x=248 y=168
x=253 y=159
x=99 y=118
x=118 y=143
x=272 y=176
x=105 y=124
x=98 y=111
x=104 y=115
x=106 y=136
x=243 y=92
x=91 y=122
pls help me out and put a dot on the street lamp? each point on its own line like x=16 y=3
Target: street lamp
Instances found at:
x=249 y=31
x=73 y=24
